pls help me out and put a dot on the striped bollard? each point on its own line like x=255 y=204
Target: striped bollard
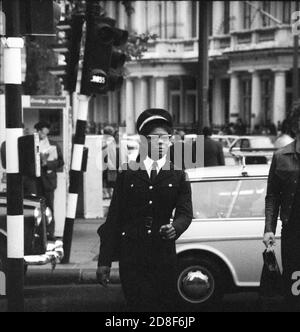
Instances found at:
x=14 y=130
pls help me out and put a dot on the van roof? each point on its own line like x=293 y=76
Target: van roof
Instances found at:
x=198 y=174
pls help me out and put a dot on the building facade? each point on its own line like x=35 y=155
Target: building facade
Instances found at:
x=250 y=64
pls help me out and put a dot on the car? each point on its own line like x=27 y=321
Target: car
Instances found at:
x=221 y=251
x=253 y=149
x=37 y=250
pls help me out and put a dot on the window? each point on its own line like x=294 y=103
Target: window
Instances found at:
x=226 y=17
x=266 y=98
x=175 y=106
x=191 y=104
x=194 y=19
x=266 y=7
x=171 y=19
x=286 y=12
x=229 y=199
x=246 y=100
x=161 y=18
x=247 y=16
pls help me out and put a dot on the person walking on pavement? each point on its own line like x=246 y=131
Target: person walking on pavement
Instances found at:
x=139 y=226
x=51 y=161
x=284 y=138
x=213 y=151
x=283 y=194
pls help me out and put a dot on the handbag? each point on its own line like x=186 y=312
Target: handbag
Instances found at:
x=271 y=283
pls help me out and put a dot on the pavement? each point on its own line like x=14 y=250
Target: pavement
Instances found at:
x=83 y=260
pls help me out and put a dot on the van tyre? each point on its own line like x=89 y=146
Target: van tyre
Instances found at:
x=200 y=283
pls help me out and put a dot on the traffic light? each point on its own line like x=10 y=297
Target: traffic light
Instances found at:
x=102 y=62
x=69 y=45
x=39 y=17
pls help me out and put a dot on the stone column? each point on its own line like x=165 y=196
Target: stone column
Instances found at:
x=141 y=96
x=255 y=99
x=234 y=97
x=217 y=105
x=279 y=111
x=130 y=116
x=161 y=95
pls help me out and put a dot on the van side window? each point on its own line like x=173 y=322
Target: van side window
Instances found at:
x=229 y=199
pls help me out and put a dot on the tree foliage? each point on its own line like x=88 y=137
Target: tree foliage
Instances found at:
x=40 y=56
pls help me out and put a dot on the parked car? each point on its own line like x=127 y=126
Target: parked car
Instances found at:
x=37 y=251
x=254 y=149
x=221 y=252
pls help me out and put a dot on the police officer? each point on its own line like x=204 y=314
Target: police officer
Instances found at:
x=149 y=193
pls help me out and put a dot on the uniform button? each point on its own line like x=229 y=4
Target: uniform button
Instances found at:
x=150 y=202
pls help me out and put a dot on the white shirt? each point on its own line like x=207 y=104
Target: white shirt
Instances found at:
x=148 y=162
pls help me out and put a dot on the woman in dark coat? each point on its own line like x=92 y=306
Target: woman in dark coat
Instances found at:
x=139 y=227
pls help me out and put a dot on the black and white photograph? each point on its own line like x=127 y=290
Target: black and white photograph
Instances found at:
x=150 y=159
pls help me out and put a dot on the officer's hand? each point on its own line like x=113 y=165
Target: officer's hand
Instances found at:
x=269 y=239
x=168 y=232
x=103 y=274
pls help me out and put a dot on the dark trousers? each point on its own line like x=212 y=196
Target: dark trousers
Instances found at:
x=49 y=199
x=290 y=245
x=148 y=280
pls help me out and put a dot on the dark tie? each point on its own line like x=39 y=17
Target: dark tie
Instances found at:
x=153 y=171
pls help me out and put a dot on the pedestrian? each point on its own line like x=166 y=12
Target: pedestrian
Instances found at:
x=213 y=151
x=284 y=138
x=257 y=130
x=110 y=159
x=240 y=128
x=51 y=162
x=139 y=225
x=283 y=194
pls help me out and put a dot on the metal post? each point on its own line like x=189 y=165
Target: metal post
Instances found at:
x=92 y=9
x=295 y=65
x=203 y=66
x=13 y=98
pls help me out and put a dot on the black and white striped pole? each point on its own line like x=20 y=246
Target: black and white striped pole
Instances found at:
x=78 y=165
x=13 y=99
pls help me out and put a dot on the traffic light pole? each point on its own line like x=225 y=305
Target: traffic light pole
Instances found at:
x=13 y=99
x=78 y=149
x=203 y=67
x=75 y=174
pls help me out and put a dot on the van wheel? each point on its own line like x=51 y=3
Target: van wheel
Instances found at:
x=199 y=283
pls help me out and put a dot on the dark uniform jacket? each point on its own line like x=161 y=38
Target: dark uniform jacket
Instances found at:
x=282 y=185
x=139 y=208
